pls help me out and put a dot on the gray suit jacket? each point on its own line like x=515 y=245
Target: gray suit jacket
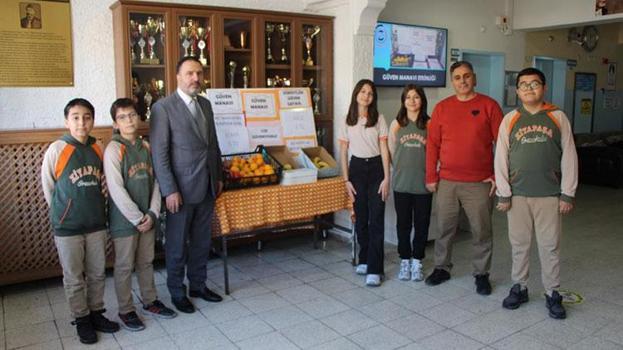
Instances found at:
x=183 y=161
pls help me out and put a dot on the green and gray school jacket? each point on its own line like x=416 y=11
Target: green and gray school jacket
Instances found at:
x=71 y=176
x=535 y=155
x=408 y=148
x=132 y=187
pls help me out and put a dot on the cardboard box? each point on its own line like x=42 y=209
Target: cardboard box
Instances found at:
x=303 y=170
x=330 y=171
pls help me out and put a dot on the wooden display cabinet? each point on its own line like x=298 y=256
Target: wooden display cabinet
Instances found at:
x=238 y=48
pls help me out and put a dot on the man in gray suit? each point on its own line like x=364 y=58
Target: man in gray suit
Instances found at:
x=187 y=163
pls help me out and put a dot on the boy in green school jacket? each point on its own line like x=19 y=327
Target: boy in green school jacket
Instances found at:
x=71 y=176
x=536 y=170
x=134 y=206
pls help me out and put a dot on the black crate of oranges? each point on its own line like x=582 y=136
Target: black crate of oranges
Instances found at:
x=250 y=169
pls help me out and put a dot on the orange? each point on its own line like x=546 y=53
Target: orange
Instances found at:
x=258 y=172
x=234 y=169
x=253 y=166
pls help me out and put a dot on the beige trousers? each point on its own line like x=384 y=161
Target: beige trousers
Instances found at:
x=83 y=259
x=475 y=200
x=538 y=216
x=134 y=252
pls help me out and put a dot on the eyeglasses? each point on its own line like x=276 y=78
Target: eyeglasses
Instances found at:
x=533 y=85
x=125 y=117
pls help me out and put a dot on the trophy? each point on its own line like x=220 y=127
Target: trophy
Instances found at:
x=202 y=35
x=316 y=99
x=270 y=28
x=134 y=34
x=162 y=31
x=141 y=42
x=246 y=70
x=270 y=82
x=283 y=30
x=308 y=40
x=232 y=73
x=151 y=29
x=192 y=33
x=243 y=39
x=148 y=98
x=185 y=36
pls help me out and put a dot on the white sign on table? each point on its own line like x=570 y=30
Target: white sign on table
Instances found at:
x=294 y=98
x=267 y=134
x=225 y=101
x=232 y=133
x=259 y=105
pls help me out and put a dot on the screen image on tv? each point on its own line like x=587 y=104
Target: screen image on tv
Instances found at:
x=409 y=54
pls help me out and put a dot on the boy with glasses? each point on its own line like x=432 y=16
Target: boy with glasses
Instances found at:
x=134 y=205
x=537 y=175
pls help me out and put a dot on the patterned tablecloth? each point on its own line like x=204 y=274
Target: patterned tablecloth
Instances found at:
x=248 y=209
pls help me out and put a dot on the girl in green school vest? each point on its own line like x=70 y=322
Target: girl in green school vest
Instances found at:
x=407 y=145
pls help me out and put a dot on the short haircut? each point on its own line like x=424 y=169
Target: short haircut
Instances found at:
x=30 y=6
x=458 y=64
x=79 y=102
x=123 y=102
x=185 y=59
x=530 y=71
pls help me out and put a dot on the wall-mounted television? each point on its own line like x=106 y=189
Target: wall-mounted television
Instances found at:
x=409 y=54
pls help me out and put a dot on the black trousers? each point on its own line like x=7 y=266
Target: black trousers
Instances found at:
x=366 y=175
x=188 y=236
x=412 y=211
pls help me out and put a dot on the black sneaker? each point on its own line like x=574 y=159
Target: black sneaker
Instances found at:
x=437 y=277
x=515 y=298
x=131 y=322
x=85 y=330
x=554 y=305
x=158 y=309
x=483 y=287
x=101 y=323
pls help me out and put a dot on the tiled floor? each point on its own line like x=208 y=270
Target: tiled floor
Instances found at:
x=290 y=296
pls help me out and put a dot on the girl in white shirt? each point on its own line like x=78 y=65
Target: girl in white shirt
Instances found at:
x=364 y=134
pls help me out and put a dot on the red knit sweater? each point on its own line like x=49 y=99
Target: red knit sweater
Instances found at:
x=461 y=136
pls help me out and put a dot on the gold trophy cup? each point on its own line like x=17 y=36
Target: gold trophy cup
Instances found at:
x=246 y=70
x=308 y=40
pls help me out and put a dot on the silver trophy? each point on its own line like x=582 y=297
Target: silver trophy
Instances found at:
x=202 y=35
x=148 y=99
x=283 y=30
x=152 y=28
x=141 y=42
x=246 y=70
x=316 y=99
x=270 y=28
x=134 y=35
x=232 y=73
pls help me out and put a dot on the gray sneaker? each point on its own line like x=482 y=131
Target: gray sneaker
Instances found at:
x=373 y=280
x=361 y=269
x=416 y=271
x=404 y=274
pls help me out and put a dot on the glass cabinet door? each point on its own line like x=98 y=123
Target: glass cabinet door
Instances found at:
x=194 y=34
x=147 y=40
x=238 y=52
x=314 y=74
x=278 y=55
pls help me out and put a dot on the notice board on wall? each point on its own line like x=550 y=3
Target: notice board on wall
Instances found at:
x=246 y=118
x=35 y=36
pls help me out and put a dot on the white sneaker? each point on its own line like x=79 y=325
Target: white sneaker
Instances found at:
x=373 y=280
x=404 y=274
x=416 y=270
x=362 y=269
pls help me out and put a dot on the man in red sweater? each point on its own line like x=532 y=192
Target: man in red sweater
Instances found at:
x=459 y=167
